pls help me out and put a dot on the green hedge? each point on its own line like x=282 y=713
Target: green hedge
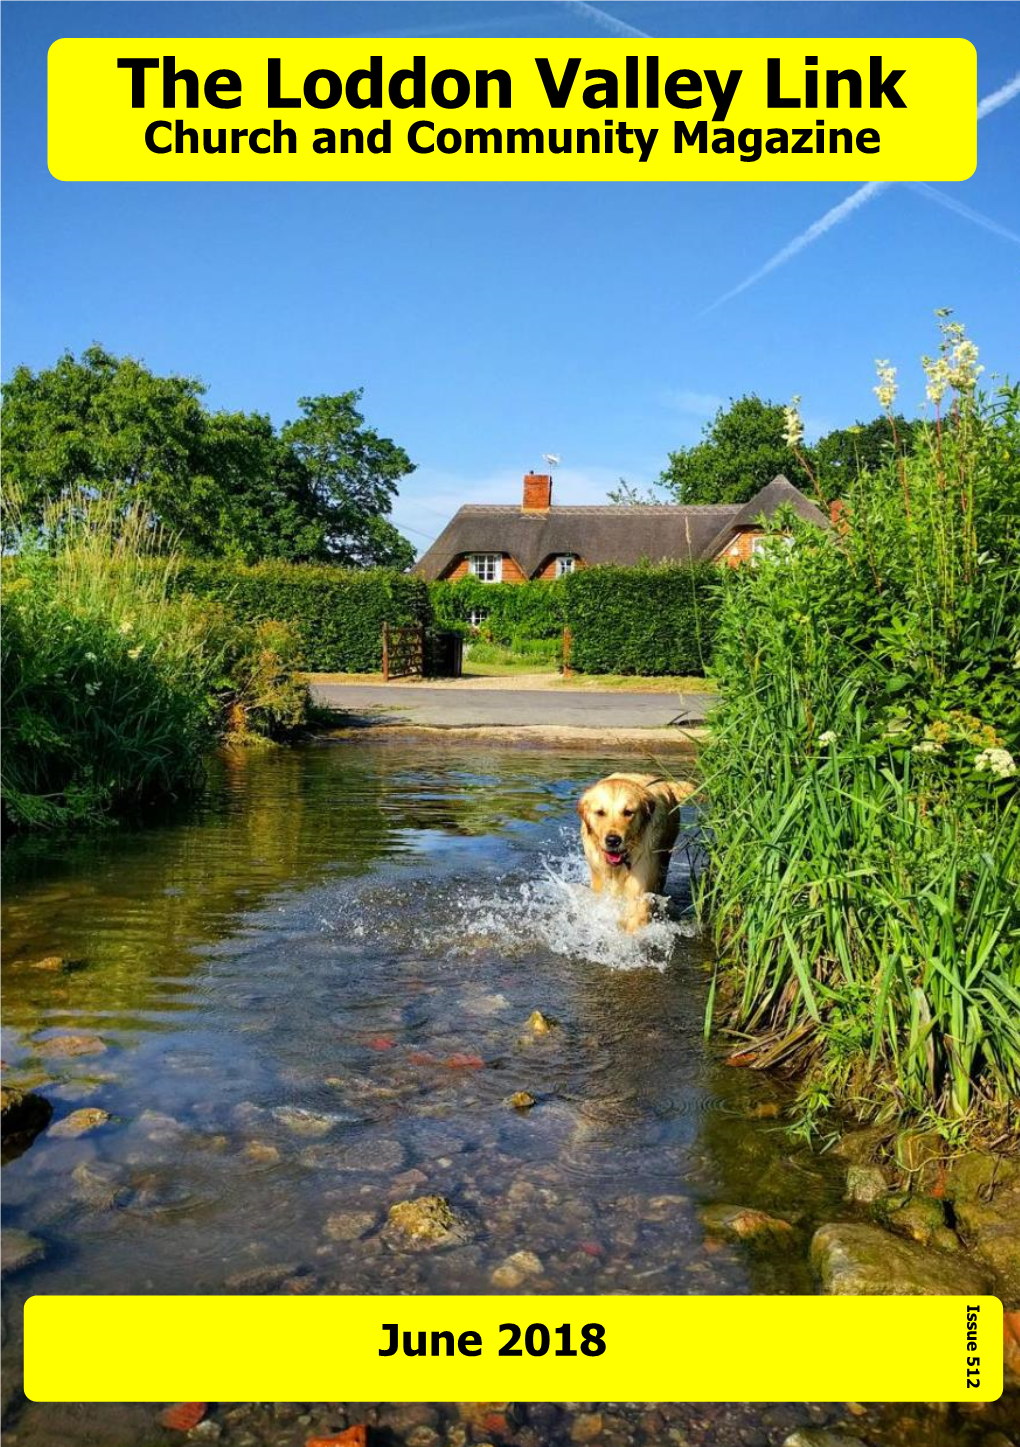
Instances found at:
x=644 y=620
x=519 y=613
x=338 y=613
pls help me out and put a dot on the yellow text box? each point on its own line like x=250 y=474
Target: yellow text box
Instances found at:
x=512 y=110
x=654 y=1348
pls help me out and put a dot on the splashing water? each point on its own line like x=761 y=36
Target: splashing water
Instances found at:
x=551 y=907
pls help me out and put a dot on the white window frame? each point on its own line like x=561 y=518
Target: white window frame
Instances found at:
x=565 y=563
x=486 y=567
x=477 y=617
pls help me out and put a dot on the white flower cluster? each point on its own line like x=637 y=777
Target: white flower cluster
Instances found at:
x=928 y=746
x=999 y=762
x=956 y=367
x=793 y=424
x=886 y=389
x=827 y=738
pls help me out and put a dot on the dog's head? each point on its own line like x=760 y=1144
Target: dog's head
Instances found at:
x=615 y=813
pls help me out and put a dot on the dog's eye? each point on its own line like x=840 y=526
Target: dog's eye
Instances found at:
x=601 y=813
x=628 y=813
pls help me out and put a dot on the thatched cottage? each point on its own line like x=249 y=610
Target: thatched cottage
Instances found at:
x=498 y=544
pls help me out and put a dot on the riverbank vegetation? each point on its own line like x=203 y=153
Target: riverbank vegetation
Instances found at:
x=864 y=807
x=115 y=682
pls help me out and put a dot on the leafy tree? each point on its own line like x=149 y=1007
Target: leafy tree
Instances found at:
x=354 y=473
x=848 y=451
x=741 y=450
x=102 y=423
x=226 y=484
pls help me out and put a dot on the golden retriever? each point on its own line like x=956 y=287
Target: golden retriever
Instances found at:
x=629 y=824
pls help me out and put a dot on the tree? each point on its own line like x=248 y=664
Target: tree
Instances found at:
x=354 y=474
x=741 y=450
x=102 y=423
x=225 y=484
x=848 y=451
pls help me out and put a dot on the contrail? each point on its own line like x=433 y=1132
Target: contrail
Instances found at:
x=999 y=97
x=818 y=228
x=942 y=198
x=608 y=22
x=858 y=198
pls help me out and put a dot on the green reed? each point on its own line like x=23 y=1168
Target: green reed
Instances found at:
x=864 y=880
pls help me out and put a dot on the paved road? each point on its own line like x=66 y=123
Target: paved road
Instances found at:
x=450 y=707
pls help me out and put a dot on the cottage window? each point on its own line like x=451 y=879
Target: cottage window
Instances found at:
x=761 y=541
x=477 y=617
x=486 y=567
x=565 y=564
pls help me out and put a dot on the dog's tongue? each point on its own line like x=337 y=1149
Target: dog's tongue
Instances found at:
x=613 y=858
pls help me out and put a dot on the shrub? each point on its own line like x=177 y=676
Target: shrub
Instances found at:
x=644 y=620
x=108 y=678
x=865 y=857
x=336 y=614
x=262 y=695
x=517 y=614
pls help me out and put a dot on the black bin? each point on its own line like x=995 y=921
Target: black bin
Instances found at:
x=444 y=653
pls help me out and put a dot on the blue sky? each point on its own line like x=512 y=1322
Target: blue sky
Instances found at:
x=488 y=323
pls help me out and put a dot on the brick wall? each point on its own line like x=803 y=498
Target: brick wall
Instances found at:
x=739 y=549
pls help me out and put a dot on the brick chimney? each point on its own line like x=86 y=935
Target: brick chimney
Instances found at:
x=537 y=492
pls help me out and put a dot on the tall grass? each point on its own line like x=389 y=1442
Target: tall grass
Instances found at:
x=865 y=866
x=114 y=683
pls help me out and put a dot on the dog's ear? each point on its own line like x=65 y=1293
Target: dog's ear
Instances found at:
x=582 y=808
x=647 y=806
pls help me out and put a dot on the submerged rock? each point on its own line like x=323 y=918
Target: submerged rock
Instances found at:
x=56 y=965
x=262 y=1152
x=18 y=1250
x=520 y=1100
x=538 y=1025
x=516 y=1269
x=349 y=1225
x=743 y=1223
x=261 y=1280
x=858 y=1260
x=23 y=1114
x=426 y=1223
x=820 y=1437
x=304 y=1122
x=80 y=1122
x=97 y=1185
x=66 y=1046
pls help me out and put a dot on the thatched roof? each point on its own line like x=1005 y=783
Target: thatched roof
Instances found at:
x=604 y=534
x=766 y=503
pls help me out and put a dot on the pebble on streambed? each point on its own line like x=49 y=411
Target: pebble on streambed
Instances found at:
x=426 y=1223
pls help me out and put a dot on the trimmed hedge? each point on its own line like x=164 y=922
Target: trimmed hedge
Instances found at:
x=644 y=620
x=519 y=613
x=338 y=613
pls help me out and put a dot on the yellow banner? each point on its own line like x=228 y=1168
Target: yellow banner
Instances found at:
x=512 y=110
x=513 y=1348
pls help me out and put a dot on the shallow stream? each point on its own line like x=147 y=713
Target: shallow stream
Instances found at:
x=310 y=999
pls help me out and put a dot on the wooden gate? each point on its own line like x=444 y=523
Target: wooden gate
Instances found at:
x=403 y=651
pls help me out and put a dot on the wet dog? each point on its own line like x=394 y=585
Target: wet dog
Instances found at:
x=629 y=825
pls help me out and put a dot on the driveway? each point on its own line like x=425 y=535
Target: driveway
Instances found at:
x=393 y=703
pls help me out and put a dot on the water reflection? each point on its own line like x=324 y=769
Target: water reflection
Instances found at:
x=310 y=998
